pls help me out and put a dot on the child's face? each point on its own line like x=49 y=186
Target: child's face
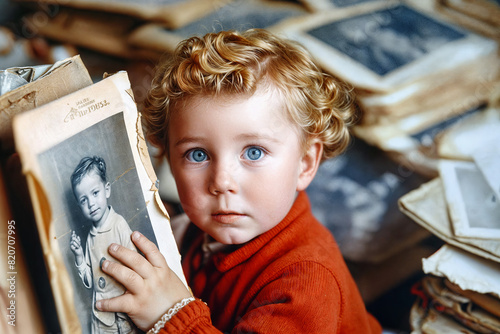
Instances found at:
x=92 y=195
x=237 y=163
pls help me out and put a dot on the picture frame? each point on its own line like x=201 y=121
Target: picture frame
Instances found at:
x=100 y=120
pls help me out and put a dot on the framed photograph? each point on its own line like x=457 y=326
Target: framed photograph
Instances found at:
x=92 y=183
x=384 y=46
x=473 y=207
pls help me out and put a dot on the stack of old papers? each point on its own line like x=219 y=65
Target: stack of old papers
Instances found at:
x=148 y=29
x=462 y=207
x=461 y=294
x=412 y=70
x=235 y=15
x=401 y=60
x=478 y=15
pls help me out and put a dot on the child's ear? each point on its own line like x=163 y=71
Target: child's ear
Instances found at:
x=310 y=163
x=107 y=188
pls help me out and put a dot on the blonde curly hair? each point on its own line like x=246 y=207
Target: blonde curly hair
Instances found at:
x=231 y=62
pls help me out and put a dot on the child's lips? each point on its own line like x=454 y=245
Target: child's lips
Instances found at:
x=227 y=217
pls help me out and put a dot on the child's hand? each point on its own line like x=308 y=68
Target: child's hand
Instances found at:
x=76 y=247
x=152 y=288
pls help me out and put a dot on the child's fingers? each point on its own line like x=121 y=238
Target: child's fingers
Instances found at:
x=131 y=280
x=123 y=303
x=149 y=249
x=131 y=259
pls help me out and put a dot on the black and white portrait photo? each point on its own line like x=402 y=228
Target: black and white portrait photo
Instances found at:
x=96 y=195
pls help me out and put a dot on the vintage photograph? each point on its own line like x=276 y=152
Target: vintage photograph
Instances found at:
x=385 y=48
x=92 y=183
x=487 y=160
x=473 y=206
x=96 y=193
x=386 y=40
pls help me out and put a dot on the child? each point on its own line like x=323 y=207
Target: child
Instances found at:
x=244 y=120
x=92 y=191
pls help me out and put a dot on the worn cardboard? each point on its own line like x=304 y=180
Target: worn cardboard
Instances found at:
x=102 y=120
x=70 y=76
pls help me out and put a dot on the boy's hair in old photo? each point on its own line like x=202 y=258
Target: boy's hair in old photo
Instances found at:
x=86 y=165
x=233 y=62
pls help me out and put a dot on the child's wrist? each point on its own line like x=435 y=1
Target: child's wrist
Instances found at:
x=169 y=314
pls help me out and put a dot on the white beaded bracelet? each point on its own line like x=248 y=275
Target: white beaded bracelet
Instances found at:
x=170 y=313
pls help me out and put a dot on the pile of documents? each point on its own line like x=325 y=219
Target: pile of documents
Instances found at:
x=411 y=69
x=478 y=15
x=148 y=29
x=462 y=207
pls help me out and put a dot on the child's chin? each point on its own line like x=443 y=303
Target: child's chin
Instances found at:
x=233 y=240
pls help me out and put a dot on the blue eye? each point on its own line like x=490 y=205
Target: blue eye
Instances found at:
x=197 y=155
x=253 y=153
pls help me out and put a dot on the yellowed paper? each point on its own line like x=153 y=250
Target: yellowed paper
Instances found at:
x=100 y=120
x=427 y=206
x=468 y=271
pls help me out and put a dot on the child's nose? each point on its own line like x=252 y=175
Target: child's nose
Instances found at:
x=223 y=180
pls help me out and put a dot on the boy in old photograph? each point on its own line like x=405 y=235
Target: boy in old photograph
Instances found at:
x=92 y=191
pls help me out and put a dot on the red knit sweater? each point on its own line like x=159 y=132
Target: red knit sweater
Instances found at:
x=291 y=279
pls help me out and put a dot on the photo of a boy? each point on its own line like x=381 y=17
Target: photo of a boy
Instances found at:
x=92 y=191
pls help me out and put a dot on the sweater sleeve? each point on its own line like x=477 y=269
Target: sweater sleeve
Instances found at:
x=303 y=298
x=192 y=318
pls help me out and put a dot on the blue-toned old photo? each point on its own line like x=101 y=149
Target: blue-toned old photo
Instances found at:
x=386 y=40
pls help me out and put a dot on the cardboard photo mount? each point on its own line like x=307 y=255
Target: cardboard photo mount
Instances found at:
x=472 y=204
x=101 y=118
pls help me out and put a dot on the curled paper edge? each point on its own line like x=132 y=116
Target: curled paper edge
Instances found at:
x=142 y=149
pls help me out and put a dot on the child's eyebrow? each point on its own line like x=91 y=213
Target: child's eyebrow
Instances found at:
x=257 y=136
x=188 y=140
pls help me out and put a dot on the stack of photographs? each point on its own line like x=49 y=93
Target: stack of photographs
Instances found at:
x=478 y=15
x=173 y=13
x=460 y=294
x=109 y=32
x=462 y=207
x=235 y=15
x=402 y=61
x=149 y=29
